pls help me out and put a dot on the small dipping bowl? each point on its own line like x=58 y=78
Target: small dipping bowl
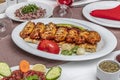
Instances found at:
x=108 y=70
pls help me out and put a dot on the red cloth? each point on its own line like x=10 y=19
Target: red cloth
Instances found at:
x=113 y=14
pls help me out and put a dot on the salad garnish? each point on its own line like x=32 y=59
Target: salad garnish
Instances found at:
x=24 y=72
x=29 y=8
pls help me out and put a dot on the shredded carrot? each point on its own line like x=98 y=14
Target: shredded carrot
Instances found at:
x=24 y=66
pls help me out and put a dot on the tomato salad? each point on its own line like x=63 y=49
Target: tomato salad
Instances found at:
x=37 y=72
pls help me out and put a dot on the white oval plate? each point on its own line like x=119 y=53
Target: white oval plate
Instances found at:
x=11 y=10
x=105 y=46
x=101 y=5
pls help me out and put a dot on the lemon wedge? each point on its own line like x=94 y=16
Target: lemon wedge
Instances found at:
x=39 y=67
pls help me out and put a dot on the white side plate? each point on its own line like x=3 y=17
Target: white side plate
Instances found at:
x=11 y=10
x=100 y=5
x=62 y=77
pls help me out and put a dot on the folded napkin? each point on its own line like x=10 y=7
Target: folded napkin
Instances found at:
x=113 y=13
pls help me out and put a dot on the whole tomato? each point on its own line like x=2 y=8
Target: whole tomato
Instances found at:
x=49 y=46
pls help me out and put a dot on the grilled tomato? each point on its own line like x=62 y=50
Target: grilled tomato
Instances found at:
x=48 y=46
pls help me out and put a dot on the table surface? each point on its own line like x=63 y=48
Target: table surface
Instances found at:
x=12 y=54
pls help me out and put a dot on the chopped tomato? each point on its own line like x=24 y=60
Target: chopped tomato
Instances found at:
x=49 y=46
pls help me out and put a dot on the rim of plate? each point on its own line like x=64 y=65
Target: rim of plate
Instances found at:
x=12 y=16
x=110 y=46
x=86 y=10
x=17 y=67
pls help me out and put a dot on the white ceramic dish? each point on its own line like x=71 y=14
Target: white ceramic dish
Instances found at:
x=62 y=77
x=99 y=5
x=11 y=10
x=103 y=75
x=105 y=46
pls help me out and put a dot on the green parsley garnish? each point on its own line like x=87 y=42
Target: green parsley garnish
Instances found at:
x=29 y=8
x=34 y=77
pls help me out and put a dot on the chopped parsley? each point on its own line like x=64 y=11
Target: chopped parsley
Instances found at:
x=29 y=8
x=34 y=77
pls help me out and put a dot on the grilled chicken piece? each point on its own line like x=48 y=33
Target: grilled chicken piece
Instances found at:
x=49 y=32
x=27 y=29
x=37 y=31
x=93 y=37
x=72 y=35
x=41 y=26
x=61 y=34
x=80 y=39
x=84 y=34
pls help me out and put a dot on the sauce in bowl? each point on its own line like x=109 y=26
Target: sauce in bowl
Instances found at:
x=109 y=66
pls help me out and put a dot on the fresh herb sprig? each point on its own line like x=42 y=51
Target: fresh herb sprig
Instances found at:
x=34 y=77
x=29 y=8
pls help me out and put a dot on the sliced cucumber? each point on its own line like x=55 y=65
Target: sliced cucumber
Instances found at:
x=53 y=73
x=4 y=69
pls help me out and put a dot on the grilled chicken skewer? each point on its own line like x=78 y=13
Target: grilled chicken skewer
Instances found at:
x=59 y=34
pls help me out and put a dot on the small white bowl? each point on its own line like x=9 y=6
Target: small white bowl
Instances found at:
x=3 y=6
x=103 y=75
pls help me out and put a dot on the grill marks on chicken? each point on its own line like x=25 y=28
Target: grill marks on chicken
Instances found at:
x=49 y=32
x=72 y=35
x=59 y=33
x=27 y=30
x=93 y=37
x=37 y=31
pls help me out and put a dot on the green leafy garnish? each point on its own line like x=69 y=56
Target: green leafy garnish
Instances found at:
x=29 y=8
x=34 y=77
x=66 y=52
x=74 y=49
